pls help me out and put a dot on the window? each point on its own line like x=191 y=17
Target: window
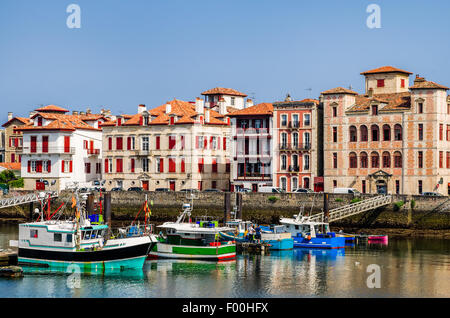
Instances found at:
x=335 y=163
x=448 y=132
x=294 y=183
x=397 y=186
x=448 y=160
x=364 y=133
x=87 y=167
x=295 y=140
x=441 y=159
x=374 y=110
x=441 y=132
x=306 y=183
x=44 y=144
x=386 y=132
x=363 y=186
x=386 y=160
x=375 y=158
x=283 y=141
x=233 y=100
x=375 y=132
x=307 y=140
x=119 y=165
x=307 y=119
x=283 y=162
x=119 y=143
x=284 y=120
x=145 y=164
x=69 y=238
x=353 y=134
x=334 y=111
x=420 y=159
x=306 y=162
x=132 y=165
x=363 y=159
x=397 y=160
x=380 y=83
x=353 y=161
x=283 y=183
x=33 y=141
x=172 y=165
x=335 y=137
x=200 y=165
x=420 y=132
x=158 y=142
x=334 y=183
x=131 y=143
x=402 y=83
x=57 y=237
x=420 y=108
x=160 y=165
x=98 y=168
x=228 y=166
x=420 y=187
x=34 y=233
x=397 y=132
x=295 y=122
x=172 y=142
x=182 y=165
x=145 y=144
x=110 y=143
x=214 y=165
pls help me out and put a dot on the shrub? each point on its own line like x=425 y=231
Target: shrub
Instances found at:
x=354 y=200
x=273 y=199
x=413 y=204
x=398 y=205
x=16 y=183
x=338 y=200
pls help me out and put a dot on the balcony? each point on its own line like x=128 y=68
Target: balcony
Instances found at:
x=48 y=150
x=254 y=176
x=93 y=152
x=294 y=147
x=293 y=125
x=293 y=169
x=251 y=131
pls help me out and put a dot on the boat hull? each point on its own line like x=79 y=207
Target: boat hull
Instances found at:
x=212 y=253
x=275 y=244
x=320 y=242
x=110 y=257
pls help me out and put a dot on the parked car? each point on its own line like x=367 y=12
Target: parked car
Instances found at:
x=136 y=189
x=162 y=190
x=116 y=189
x=212 y=190
x=302 y=190
x=432 y=194
x=189 y=190
x=244 y=190
x=346 y=190
x=271 y=190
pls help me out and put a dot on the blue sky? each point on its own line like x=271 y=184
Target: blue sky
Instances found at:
x=129 y=52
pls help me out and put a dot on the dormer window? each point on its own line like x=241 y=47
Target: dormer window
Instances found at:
x=39 y=121
x=402 y=83
x=172 y=120
x=380 y=83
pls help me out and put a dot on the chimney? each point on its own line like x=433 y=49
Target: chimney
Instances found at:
x=75 y=112
x=10 y=116
x=370 y=92
x=419 y=79
x=88 y=111
x=222 y=106
x=82 y=113
x=168 y=108
x=288 y=98
x=249 y=103
x=141 y=108
x=199 y=106
x=207 y=116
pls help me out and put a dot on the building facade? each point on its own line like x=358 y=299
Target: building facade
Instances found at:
x=394 y=138
x=60 y=149
x=13 y=139
x=297 y=144
x=178 y=145
x=252 y=148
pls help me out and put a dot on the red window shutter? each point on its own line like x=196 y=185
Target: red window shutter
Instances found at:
x=214 y=165
x=132 y=165
x=110 y=143
x=44 y=143
x=129 y=143
x=10 y=141
x=182 y=165
x=182 y=142
x=172 y=167
x=161 y=164
x=141 y=121
x=211 y=142
x=29 y=166
x=62 y=166
x=205 y=142
x=106 y=166
x=66 y=143
x=172 y=120
x=71 y=166
x=224 y=143
x=158 y=139
x=196 y=142
x=119 y=167
x=119 y=143
x=402 y=83
x=33 y=143
x=380 y=83
x=200 y=164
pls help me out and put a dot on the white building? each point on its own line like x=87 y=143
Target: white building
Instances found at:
x=59 y=149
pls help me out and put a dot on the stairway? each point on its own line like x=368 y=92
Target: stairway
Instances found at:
x=27 y=198
x=353 y=209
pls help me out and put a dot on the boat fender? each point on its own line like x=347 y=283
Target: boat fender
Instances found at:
x=308 y=237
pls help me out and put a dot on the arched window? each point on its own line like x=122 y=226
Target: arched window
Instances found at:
x=353 y=134
x=398 y=132
x=386 y=132
x=306 y=183
x=375 y=159
x=353 y=161
x=364 y=133
x=386 y=160
x=364 y=160
x=375 y=132
x=397 y=159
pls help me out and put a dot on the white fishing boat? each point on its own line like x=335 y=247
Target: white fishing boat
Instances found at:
x=60 y=243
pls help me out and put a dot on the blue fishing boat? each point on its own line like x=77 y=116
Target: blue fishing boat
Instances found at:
x=275 y=235
x=308 y=234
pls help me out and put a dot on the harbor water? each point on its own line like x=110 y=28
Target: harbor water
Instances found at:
x=413 y=267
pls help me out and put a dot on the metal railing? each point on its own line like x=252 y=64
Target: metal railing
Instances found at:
x=48 y=150
x=294 y=147
x=27 y=198
x=353 y=209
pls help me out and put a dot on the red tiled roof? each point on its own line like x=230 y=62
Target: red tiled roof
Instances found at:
x=59 y=122
x=427 y=85
x=385 y=69
x=52 y=108
x=393 y=101
x=259 y=109
x=21 y=119
x=223 y=91
x=339 y=90
x=10 y=165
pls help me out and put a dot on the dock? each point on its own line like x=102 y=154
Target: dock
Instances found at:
x=8 y=265
x=8 y=258
x=253 y=248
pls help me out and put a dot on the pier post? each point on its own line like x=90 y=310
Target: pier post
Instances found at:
x=227 y=207
x=325 y=207
x=107 y=208
x=90 y=203
x=239 y=205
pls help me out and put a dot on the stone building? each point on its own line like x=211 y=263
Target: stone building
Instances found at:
x=13 y=139
x=394 y=138
x=178 y=145
x=297 y=144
